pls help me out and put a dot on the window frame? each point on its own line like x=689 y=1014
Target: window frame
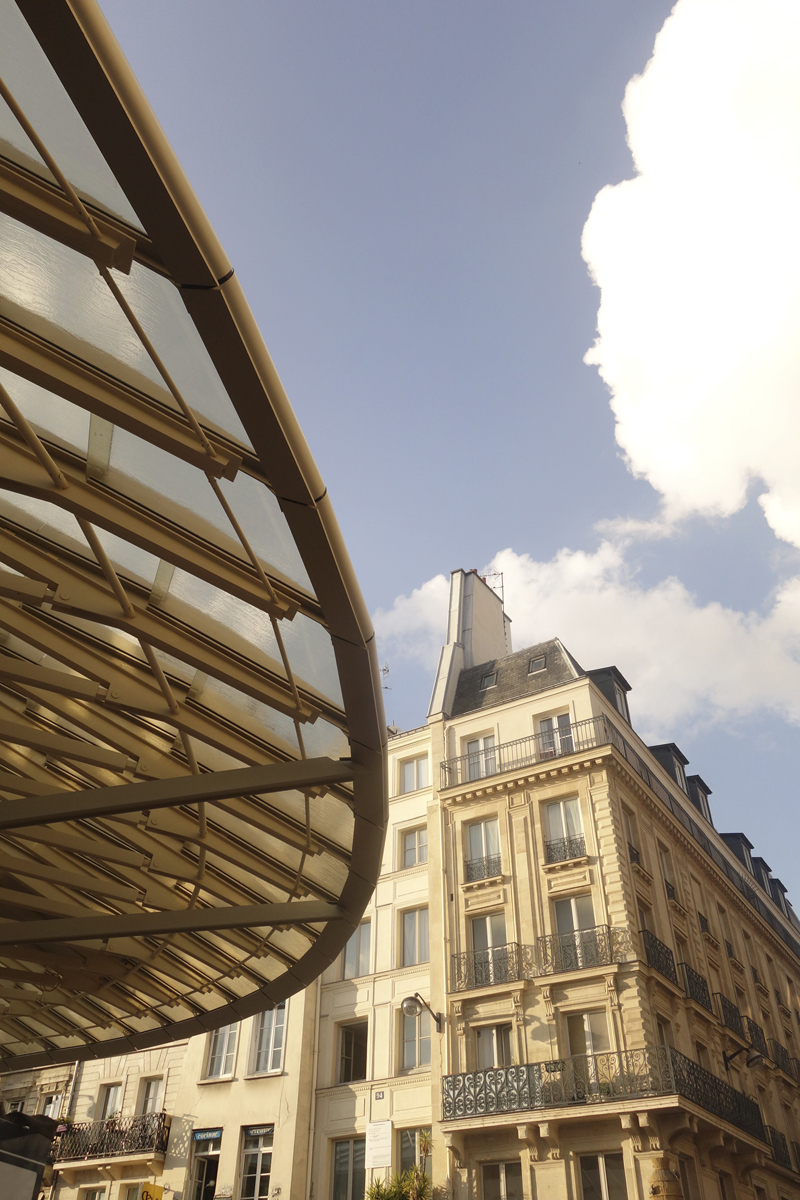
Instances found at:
x=356 y=938
x=43 y=1103
x=601 y=1156
x=416 y=830
x=343 y=1030
x=203 y=1156
x=416 y=961
x=351 y=1143
x=503 y=1164
x=228 y=1031
x=493 y=1029
x=481 y=824
x=480 y=762
x=104 y=1096
x=414 y=1131
x=488 y=681
x=255 y=1036
x=143 y=1090
x=419 y=1022
x=260 y=1151
x=413 y=761
x=539 y=658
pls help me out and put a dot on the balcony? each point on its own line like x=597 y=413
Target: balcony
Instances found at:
x=730 y=1016
x=598 y=1079
x=584 y=948
x=500 y=964
x=670 y=889
x=779 y=1146
x=114 y=1138
x=696 y=986
x=659 y=956
x=527 y=751
x=633 y=855
x=780 y=1056
x=755 y=1036
x=482 y=868
x=563 y=849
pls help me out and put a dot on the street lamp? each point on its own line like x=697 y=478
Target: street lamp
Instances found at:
x=754 y=1057
x=412 y=1006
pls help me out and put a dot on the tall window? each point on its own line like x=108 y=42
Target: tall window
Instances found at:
x=268 y=1039
x=205 y=1167
x=574 y=913
x=493 y=1046
x=555 y=736
x=481 y=757
x=151 y=1096
x=416 y=1040
x=414 y=774
x=484 y=839
x=409 y=1148
x=353 y=1052
x=51 y=1105
x=603 y=1177
x=348 y=1169
x=502 y=1181
x=576 y=946
x=355 y=960
x=488 y=932
x=221 y=1051
x=415 y=846
x=94 y=1194
x=415 y=937
x=256 y=1163
x=110 y=1101
x=588 y=1033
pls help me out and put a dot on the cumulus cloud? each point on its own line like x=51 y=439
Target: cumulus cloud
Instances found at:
x=685 y=661
x=698 y=262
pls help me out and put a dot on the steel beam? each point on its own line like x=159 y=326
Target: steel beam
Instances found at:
x=62 y=682
x=256 y=916
x=164 y=793
x=59 y=746
x=85 y=882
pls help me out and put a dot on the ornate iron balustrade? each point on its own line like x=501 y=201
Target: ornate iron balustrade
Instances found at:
x=729 y=1015
x=562 y=849
x=633 y=854
x=796 y=1149
x=597 y=1079
x=670 y=889
x=796 y=1073
x=780 y=1056
x=500 y=964
x=702 y=921
x=659 y=956
x=729 y=949
x=756 y=976
x=597 y=947
x=696 y=986
x=524 y=752
x=482 y=868
x=755 y=1036
x=779 y=1145
x=112 y=1138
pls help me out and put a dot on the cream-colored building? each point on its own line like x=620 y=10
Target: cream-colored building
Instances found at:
x=602 y=991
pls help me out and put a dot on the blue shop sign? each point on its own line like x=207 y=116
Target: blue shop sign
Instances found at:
x=206 y=1135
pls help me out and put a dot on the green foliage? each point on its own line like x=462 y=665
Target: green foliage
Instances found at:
x=413 y=1184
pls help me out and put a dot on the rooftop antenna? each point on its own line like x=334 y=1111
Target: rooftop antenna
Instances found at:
x=384 y=673
x=496 y=587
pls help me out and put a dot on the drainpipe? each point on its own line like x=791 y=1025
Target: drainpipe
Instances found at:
x=312 y=1125
x=72 y=1087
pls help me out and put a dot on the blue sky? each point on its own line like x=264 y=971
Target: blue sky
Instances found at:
x=403 y=190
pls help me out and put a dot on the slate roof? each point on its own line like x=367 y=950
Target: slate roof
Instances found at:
x=514 y=681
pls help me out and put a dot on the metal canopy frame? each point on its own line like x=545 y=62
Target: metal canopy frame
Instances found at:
x=192 y=739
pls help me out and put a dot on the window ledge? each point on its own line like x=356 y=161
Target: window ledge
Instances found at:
x=476 y=884
x=216 y=1079
x=263 y=1074
x=582 y=861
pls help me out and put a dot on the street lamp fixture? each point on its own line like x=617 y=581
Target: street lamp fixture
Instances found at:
x=412 y=1006
x=754 y=1057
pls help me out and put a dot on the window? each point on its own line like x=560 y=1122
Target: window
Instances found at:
x=110 y=1100
x=502 y=1181
x=221 y=1051
x=537 y=664
x=349 y=1175
x=151 y=1096
x=491 y=960
x=268 y=1036
x=353 y=1052
x=417 y=1040
x=562 y=830
x=15 y=1105
x=630 y=828
x=489 y=680
x=588 y=1033
x=492 y=1046
x=489 y=932
x=355 y=960
x=51 y=1105
x=555 y=736
x=664 y=1032
x=481 y=757
x=256 y=1163
x=415 y=846
x=414 y=774
x=207 y=1144
x=621 y=701
x=93 y=1194
x=410 y=1148
x=573 y=914
x=688 y=1177
x=133 y=1191
x=603 y=1177
x=701 y=1054
x=415 y=937
x=484 y=839
x=578 y=943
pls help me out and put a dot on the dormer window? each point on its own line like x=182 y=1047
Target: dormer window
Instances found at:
x=537 y=664
x=489 y=680
x=621 y=701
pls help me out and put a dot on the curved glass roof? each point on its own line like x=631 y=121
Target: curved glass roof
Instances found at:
x=192 y=801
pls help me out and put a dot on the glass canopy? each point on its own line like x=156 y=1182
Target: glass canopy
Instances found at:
x=192 y=740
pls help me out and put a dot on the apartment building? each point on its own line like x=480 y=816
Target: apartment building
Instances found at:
x=566 y=973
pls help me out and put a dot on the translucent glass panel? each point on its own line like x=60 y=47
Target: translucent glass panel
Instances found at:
x=48 y=414
x=38 y=91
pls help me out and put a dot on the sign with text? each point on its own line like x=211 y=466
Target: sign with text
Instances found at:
x=258 y=1130
x=206 y=1135
x=378 y=1150
x=152 y=1191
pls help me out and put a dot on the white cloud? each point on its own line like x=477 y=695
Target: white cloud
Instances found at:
x=686 y=662
x=698 y=262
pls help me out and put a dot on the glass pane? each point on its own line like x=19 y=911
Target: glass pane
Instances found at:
x=572 y=818
x=409 y=939
x=476 y=841
x=554 y=821
x=480 y=934
x=410 y=849
x=423 y=774
x=359 y=1174
x=577 y=1034
x=408 y=1149
x=590 y=1177
x=615 y=1177
x=498 y=928
x=263 y=1039
x=409 y=1041
x=584 y=912
x=503 y=1036
x=598 y=1032
x=492 y=838
x=564 y=917
x=363 y=949
x=49 y=415
x=424 y=1038
x=351 y=956
x=341 y=1170
x=424 y=951
x=423 y=845
x=513 y=1172
x=491 y=1181
x=409 y=777
x=484 y=1049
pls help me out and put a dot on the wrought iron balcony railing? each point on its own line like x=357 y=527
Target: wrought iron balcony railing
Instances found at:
x=596 y=947
x=598 y=1079
x=780 y=1147
x=112 y=1138
x=730 y=1016
x=524 y=752
x=702 y=921
x=500 y=964
x=696 y=986
x=796 y=1150
x=755 y=1036
x=780 y=1056
x=729 y=949
x=482 y=868
x=659 y=956
x=670 y=889
x=633 y=854
x=796 y=1073
x=563 y=849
